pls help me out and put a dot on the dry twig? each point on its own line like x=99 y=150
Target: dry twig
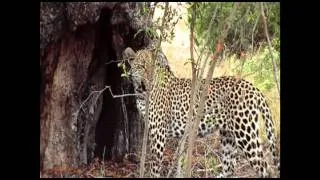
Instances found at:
x=270 y=47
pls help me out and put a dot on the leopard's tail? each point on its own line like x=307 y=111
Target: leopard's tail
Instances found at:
x=270 y=130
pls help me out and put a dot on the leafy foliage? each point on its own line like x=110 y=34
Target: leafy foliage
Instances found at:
x=261 y=68
x=246 y=29
x=246 y=34
x=159 y=26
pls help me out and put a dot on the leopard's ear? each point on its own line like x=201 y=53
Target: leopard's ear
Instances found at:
x=128 y=54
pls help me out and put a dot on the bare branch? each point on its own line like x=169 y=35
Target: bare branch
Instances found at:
x=179 y=152
x=92 y=176
x=205 y=162
x=146 y=118
x=207 y=35
x=205 y=88
x=194 y=84
x=252 y=35
x=123 y=95
x=99 y=93
x=113 y=61
x=151 y=13
x=191 y=41
x=205 y=170
x=270 y=47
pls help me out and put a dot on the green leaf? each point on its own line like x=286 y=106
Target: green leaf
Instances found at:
x=151 y=32
x=144 y=9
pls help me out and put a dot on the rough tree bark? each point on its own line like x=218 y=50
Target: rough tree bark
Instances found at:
x=78 y=43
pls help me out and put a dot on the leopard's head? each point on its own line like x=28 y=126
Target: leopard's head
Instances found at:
x=145 y=65
x=140 y=66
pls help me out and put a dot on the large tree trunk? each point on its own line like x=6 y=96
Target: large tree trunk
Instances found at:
x=78 y=44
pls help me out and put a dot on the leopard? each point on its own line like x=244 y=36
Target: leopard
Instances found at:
x=232 y=107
